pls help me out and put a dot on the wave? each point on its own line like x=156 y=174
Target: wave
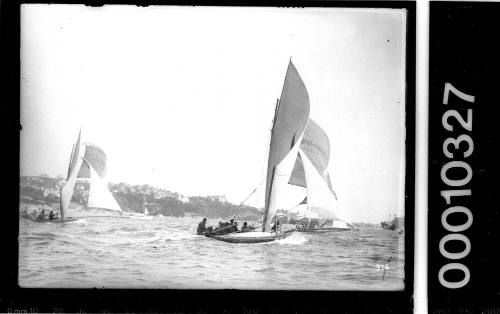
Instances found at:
x=295 y=239
x=169 y=236
x=78 y=222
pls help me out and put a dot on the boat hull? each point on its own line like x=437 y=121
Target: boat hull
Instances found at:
x=138 y=216
x=248 y=237
x=52 y=220
x=388 y=226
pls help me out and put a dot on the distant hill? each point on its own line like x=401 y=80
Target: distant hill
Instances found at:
x=45 y=190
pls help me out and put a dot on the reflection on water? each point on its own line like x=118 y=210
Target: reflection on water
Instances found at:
x=165 y=253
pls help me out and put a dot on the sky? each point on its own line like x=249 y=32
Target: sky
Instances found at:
x=183 y=98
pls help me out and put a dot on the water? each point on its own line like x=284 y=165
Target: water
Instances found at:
x=164 y=252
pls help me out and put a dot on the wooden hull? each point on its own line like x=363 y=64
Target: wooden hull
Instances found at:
x=248 y=238
x=52 y=220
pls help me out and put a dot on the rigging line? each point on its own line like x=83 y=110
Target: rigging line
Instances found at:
x=253 y=191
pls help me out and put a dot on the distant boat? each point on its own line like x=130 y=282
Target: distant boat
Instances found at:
x=143 y=215
x=35 y=216
x=318 y=212
x=290 y=121
x=88 y=162
x=393 y=224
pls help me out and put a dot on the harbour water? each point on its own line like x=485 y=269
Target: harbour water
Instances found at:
x=164 y=252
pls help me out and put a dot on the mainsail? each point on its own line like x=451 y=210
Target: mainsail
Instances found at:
x=68 y=188
x=99 y=194
x=290 y=121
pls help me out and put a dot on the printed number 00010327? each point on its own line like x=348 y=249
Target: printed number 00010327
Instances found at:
x=456 y=144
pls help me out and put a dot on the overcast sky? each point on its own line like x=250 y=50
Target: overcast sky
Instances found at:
x=183 y=97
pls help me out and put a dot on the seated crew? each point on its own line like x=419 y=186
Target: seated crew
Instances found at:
x=202 y=229
x=42 y=215
x=244 y=227
x=51 y=215
x=219 y=226
x=234 y=227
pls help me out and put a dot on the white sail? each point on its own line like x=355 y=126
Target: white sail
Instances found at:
x=74 y=166
x=320 y=198
x=68 y=189
x=283 y=171
x=289 y=123
x=99 y=194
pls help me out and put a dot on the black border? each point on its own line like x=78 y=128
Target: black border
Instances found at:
x=14 y=298
x=463 y=53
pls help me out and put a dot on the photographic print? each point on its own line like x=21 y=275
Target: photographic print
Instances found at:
x=176 y=147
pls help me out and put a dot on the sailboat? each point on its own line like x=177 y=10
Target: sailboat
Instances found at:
x=318 y=212
x=88 y=161
x=290 y=120
x=393 y=224
x=143 y=215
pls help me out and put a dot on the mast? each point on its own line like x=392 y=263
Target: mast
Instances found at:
x=268 y=196
x=61 y=207
x=266 y=209
x=70 y=159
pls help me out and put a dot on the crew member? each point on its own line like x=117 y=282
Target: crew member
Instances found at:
x=220 y=226
x=202 y=229
x=42 y=215
x=276 y=225
x=234 y=227
x=245 y=227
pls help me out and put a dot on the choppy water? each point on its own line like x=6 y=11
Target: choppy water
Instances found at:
x=165 y=253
